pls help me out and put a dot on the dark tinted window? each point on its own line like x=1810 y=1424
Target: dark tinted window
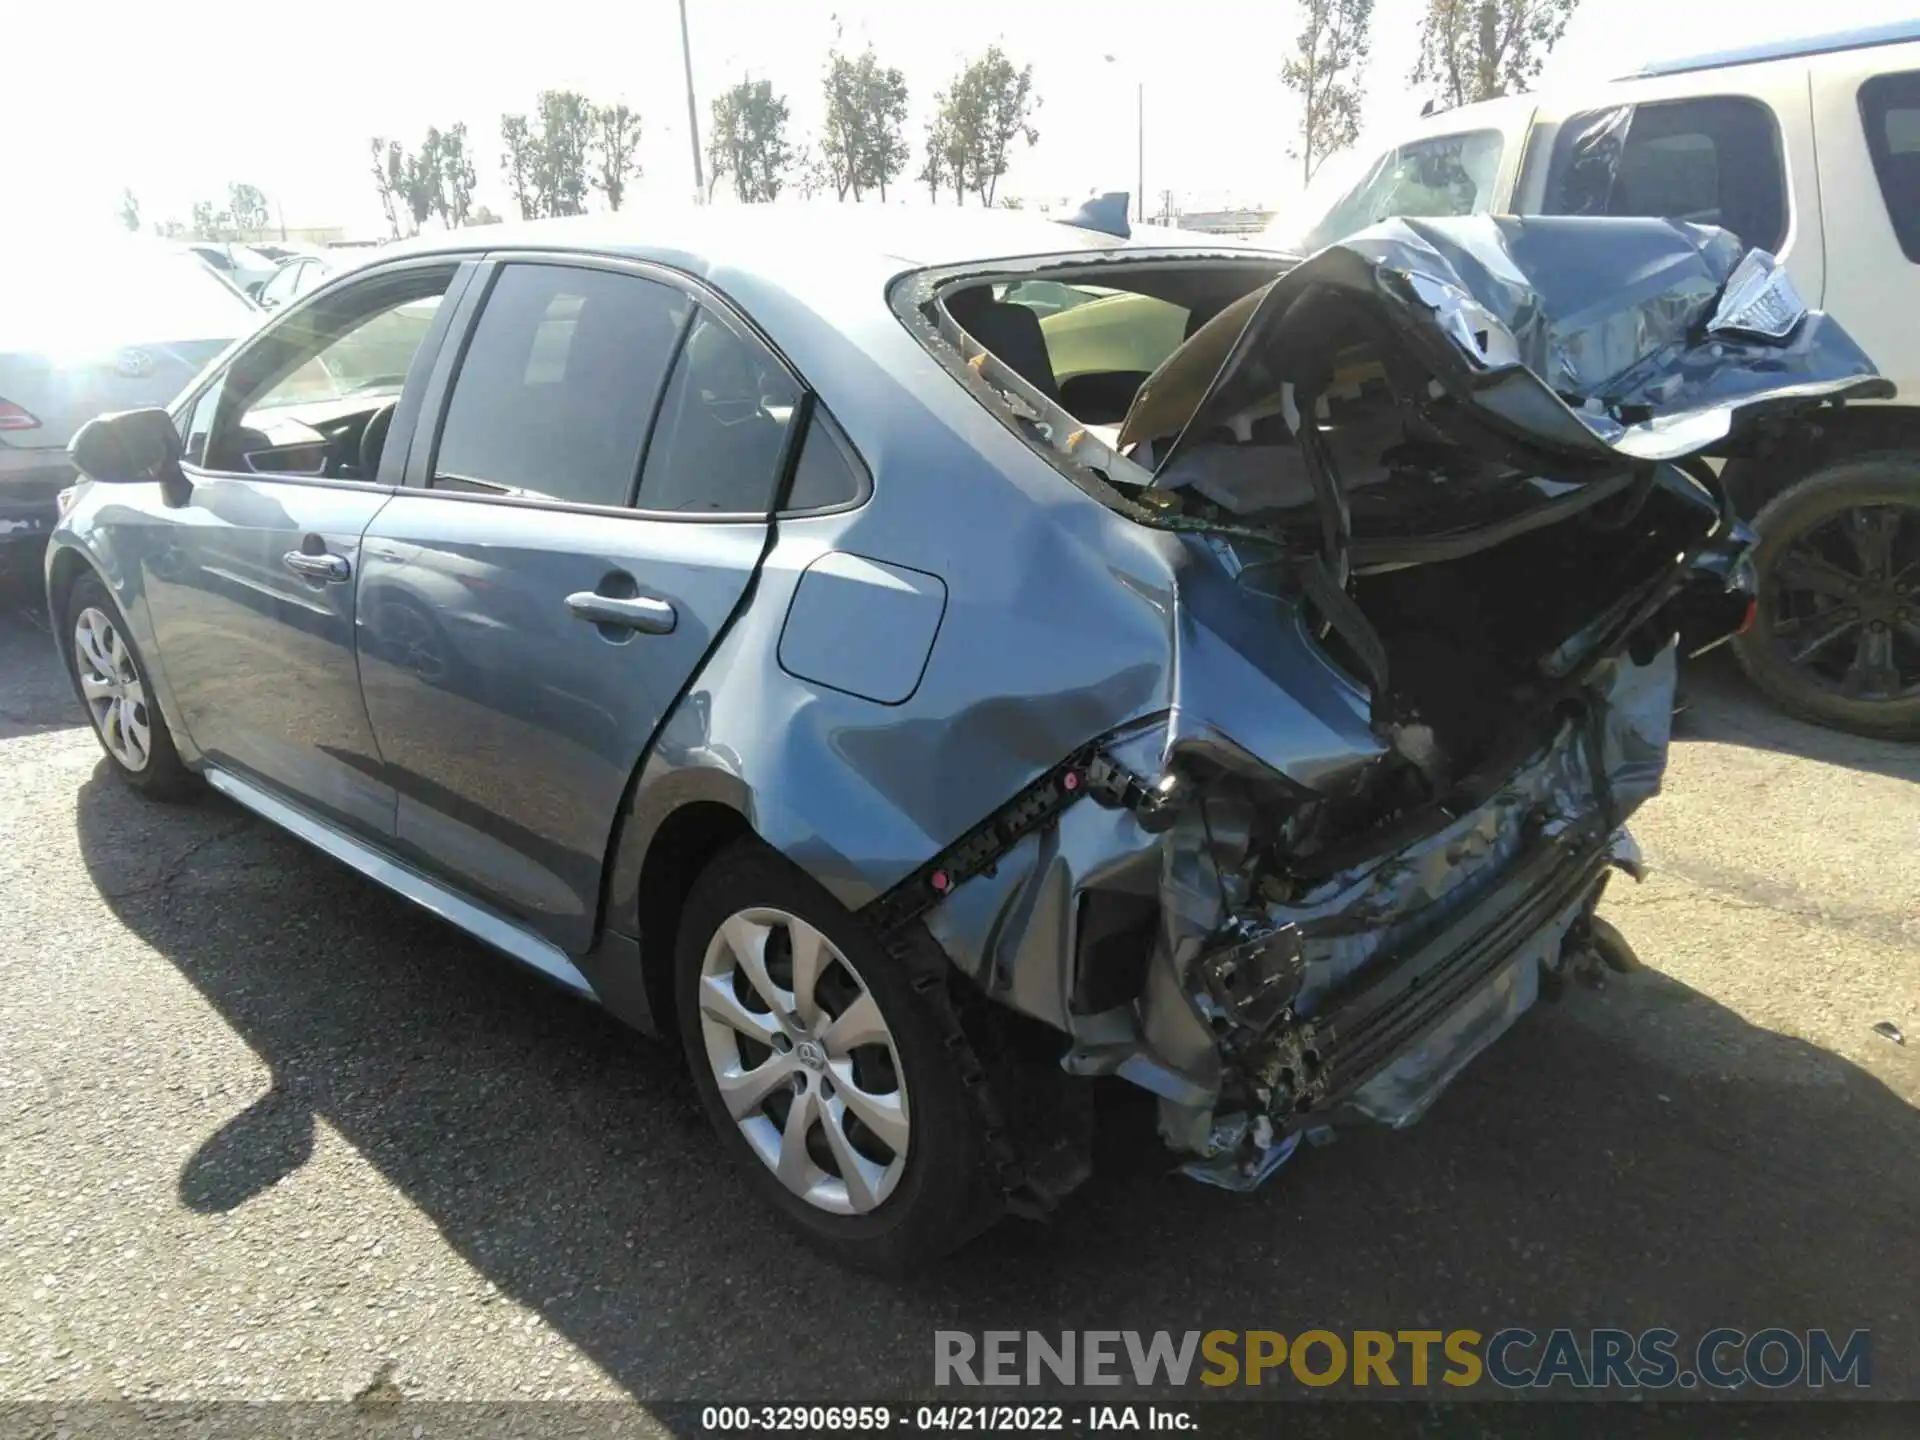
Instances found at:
x=1890 y=109
x=1713 y=161
x=723 y=426
x=827 y=473
x=558 y=384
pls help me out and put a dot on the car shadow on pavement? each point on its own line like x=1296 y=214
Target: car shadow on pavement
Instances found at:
x=1722 y=706
x=1634 y=1158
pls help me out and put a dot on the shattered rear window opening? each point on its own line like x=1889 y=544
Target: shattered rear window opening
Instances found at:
x=1437 y=523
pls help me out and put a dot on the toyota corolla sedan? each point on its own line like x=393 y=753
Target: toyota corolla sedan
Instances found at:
x=736 y=618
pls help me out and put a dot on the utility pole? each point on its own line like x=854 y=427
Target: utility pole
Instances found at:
x=693 y=109
x=1140 y=118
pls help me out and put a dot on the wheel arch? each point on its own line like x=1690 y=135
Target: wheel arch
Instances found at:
x=65 y=566
x=1849 y=433
x=671 y=824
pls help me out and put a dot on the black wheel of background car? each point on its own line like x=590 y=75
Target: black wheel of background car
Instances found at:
x=111 y=680
x=1836 y=636
x=822 y=1068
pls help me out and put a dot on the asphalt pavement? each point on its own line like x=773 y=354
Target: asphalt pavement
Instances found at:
x=267 y=1131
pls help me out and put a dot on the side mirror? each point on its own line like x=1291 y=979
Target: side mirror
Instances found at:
x=130 y=447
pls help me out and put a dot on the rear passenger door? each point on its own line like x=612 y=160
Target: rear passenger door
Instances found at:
x=572 y=539
x=1869 y=126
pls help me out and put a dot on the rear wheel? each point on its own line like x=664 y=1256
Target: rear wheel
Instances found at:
x=112 y=682
x=823 y=1068
x=1836 y=635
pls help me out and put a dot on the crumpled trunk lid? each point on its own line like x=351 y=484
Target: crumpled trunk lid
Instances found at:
x=1577 y=349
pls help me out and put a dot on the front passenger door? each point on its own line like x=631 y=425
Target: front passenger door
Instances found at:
x=249 y=584
x=559 y=566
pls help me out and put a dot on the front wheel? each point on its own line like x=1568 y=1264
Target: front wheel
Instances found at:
x=823 y=1069
x=1836 y=634
x=113 y=684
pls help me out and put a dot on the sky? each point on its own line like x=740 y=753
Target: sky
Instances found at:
x=175 y=102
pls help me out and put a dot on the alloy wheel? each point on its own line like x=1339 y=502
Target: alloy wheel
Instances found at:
x=1845 y=603
x=804 y=1061
x=110 y=684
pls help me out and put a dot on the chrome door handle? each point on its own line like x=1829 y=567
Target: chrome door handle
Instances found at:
x=317 y=567
x=640 y=612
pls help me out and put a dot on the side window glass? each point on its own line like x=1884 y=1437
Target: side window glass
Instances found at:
x=298 y=399
x=1711 y=161
x=1447 y=175
x=723 y=426
x=558 y=384
x=1890 y=110
x=280 y=288
x=199 y=423
x=828 y=473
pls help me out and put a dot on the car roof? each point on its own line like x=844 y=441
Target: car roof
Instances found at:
x=1794 y=47
x=783 y=239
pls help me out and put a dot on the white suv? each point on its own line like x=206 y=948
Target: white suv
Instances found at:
x=1809 y=149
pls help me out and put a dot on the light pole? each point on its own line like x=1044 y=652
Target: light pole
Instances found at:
x=693 y=110
x=1140 y=145
x=1140 y=150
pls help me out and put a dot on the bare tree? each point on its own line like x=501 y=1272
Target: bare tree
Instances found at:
x=1326 y=76
x=1478 y=49
x=616 y=134
x=812 y=176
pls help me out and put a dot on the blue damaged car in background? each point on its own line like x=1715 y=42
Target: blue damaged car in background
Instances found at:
x=738 y=618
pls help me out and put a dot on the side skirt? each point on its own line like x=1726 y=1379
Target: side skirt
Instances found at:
x=482 y=924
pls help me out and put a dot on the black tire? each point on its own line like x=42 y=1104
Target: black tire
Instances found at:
x=942 y=1198
x=164 y=776
x=1792 y=521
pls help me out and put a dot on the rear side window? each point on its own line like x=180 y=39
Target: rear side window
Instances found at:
x=559 y=383
x=1711 y=161
x=722 y=435
x=828 y=473
x=1890 y=110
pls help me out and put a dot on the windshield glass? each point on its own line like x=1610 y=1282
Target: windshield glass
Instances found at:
x=1446 y=175
x=122 y=295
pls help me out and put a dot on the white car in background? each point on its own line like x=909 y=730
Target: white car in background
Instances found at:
x=241 y=266
x=1808 y=149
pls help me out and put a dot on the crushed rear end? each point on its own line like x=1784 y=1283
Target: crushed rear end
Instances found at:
x=1441 y=528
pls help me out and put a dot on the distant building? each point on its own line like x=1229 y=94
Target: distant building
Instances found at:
x=1225 y=222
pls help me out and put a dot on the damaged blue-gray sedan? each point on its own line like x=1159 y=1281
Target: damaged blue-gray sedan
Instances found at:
x=929 y=661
